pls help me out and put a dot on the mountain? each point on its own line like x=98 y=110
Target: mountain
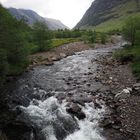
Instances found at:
x=109 y=14
x=55 y=24
x=31 y=17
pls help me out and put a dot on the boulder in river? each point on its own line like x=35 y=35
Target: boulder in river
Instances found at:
x=75 y=110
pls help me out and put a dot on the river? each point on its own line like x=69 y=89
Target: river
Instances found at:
x=61 y=102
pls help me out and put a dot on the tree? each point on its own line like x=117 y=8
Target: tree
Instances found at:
x=4 y=66
x=42 y=36
x=12 y=42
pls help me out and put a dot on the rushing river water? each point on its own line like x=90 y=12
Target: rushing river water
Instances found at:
x=45 y=93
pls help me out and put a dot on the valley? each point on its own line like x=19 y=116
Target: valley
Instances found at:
x=58 y=83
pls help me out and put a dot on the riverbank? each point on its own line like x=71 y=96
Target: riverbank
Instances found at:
x=56 y=54
x=123 y=100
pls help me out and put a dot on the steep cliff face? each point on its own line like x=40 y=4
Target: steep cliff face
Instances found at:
x=31 y=17
x=105 y=10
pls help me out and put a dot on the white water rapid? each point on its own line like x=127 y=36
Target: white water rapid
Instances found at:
x=53 y=120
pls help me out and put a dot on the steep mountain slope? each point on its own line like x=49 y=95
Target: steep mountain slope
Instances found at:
x=31 y=17
x=55 y=24
x=109 y=14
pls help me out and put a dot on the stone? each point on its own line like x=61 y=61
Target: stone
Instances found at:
x=70 y=78
x=49 y=64
x=63 y=55
x=88 y=84
x=68 y=83
x=75 y=110
x=54 y=59
x=82 y=100
x=97 y=105
x=124 y=94
x=136 y=86
x=89 y=73
x=106 y=123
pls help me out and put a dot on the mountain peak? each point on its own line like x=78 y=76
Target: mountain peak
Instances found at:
x=31 y=17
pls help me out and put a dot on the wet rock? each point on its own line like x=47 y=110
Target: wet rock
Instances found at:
x=116 y=127
x=106 y=123
x=82 y=100
x=124 y=94
x=35 y=102
x=75 y=110
x=19 y=131
x=85 y=81
x=136 y=86
x=68 y=83
x=70 y=78
x=61 y=96
x=49 y=63
x=88 y=84
x=89 y=73
x=63 y=126
x=97 y=105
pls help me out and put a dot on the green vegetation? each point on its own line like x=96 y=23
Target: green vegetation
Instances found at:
x=42 y=36
x=12 y=45
x=119 y=15
x=59 y=42
x=130 y=54
x=76 y=33
x=131 y=32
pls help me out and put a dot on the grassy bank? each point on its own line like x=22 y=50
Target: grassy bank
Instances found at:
x=59 y=42
x=130 y=54
x=54 y=43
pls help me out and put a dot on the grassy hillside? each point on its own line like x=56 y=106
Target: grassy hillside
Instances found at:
x=121 y=12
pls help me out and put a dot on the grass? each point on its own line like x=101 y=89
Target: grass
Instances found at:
x=32 y=49
x=59 y=42
x=130 y=53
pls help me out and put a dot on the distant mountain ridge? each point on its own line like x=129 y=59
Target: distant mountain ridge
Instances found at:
x=31 y=17
x=107 y=11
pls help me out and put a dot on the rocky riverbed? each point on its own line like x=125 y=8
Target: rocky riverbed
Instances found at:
x=88 y=95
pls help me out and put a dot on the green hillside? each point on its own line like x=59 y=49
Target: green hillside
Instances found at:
x=124 y=11
x=112 y=18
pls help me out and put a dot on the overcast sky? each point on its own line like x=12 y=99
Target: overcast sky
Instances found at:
x=68 y=11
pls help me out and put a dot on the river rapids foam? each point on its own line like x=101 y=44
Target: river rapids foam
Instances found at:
x=55 y=123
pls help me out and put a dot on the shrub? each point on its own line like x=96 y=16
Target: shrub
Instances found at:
x=103 y=38
x=131 y=30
